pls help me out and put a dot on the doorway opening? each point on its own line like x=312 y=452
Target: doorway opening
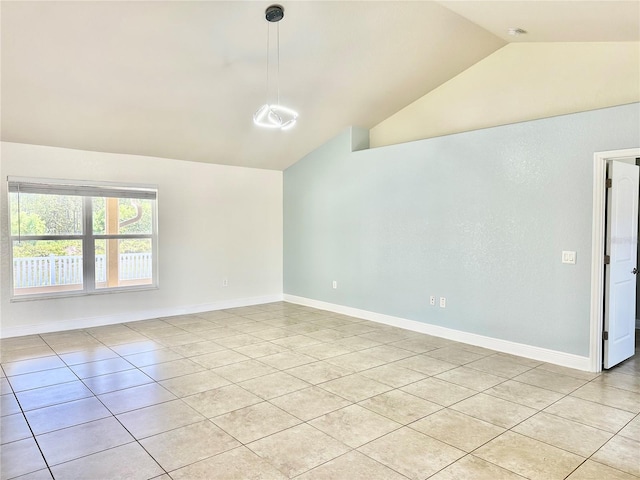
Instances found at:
x=598 y=250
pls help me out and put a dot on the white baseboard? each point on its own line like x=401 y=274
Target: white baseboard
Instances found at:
x=536 y=353
x=88 y=322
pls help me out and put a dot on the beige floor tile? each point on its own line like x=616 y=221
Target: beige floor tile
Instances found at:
x=355 y=343
x=194 y=383
x=621 y=453
x=45 y=378
x=310 y=403
x=5 y=387
x=570 y=372
x=327 y=334
x=152 y=357
x=438 y=391
x=186 y=445
x=550 y=381
x=318 y=372
x=591 y=470
x=260 y=350
x=13 y=428
x=494 y=410
x=354 y=425
x=116 y=381
x=197 y=348
x=221 y=400
x=155 y=419
x=8 y=405
x=353 y=466
x=323 y=351
x=65 y=415
x=393 y=375
x=455 y=355
x=81 y=440
x=414 y=344
x=128 y=461
x=219 y=359
x=501 y=366
x=43 y=474
x=425 y=364
x=557 y=431
x=137 y=347
x=632 y=429
x=241 y=340
x=523 y=455
x=133 y=398
x=400 y=406
x=53 y=395
x=355 y=387
x=298 y=449
x=386 y=335
x=411 y=453
x=470 y=378
x=25 y=353
x=273 y=333
x=610 y=396
x=388 y=353
x=474 y=468
x=254 y=422
x=296 y=341
x=457 y=429
x=237 y=464
x=175 y=368
x=101 y=367
x=358 y=329
x=20 y=458
x=589 y=413
x=620 y=380
x=88 y=355
x=287 y=359
x=525 y=394
x=274 y=385
x=33 y=365
x=17 y=343
x=241 y=371
x=356 y=361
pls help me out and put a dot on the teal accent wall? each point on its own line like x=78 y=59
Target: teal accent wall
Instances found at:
x=480 y=218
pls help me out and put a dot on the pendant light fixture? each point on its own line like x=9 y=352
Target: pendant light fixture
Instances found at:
x=274 y=115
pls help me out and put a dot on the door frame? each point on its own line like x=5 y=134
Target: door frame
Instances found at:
x=597 y=250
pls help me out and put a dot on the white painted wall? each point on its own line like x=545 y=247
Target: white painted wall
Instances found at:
x=215 y=221
x=520 y=82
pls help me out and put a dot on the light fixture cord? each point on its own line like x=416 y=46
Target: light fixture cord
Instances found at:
x=267 y=93
x=278 y=49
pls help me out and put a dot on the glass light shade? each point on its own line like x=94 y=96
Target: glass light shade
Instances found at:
x=275 y=116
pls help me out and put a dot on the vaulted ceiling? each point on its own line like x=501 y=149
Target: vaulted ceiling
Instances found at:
x=182 y=79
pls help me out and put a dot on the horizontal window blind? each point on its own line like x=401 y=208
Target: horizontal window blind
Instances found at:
x=118 y=191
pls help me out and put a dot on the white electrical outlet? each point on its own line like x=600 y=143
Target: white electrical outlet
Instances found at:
x=335 y=284
x=432 y=300
x=225 y=282
x=443 y=302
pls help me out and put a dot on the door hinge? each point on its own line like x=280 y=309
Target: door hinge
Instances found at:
x=609 y=183
x=605 y=335
x=607 y=259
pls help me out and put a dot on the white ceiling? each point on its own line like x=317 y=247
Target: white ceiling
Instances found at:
x=182 y=79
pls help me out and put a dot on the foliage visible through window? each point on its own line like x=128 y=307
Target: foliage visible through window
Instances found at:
x=81 y=238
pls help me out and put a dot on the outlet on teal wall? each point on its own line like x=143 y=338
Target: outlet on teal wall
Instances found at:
x=480 y=218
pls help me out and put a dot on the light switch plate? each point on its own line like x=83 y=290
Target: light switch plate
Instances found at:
x=568 y=257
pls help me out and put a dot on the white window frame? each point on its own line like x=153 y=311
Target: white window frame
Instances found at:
x=86 y=190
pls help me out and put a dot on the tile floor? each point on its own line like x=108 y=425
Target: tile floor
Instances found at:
x=283 y=391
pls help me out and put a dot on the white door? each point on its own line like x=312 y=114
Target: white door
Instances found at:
x=620 y=273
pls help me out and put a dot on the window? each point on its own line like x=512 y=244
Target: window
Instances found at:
x=75 y=238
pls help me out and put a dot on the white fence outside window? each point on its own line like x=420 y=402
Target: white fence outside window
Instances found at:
x=67 y=270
